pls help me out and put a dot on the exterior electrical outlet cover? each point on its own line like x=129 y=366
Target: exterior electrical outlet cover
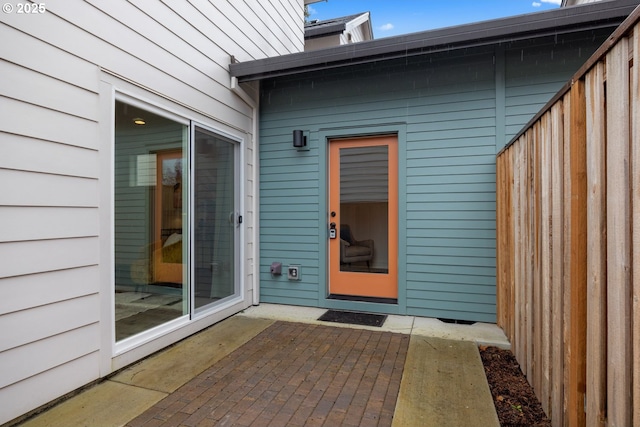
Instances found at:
x=293 y=272
x=276 y=268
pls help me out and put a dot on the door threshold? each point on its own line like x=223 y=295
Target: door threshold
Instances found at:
x=363 y=299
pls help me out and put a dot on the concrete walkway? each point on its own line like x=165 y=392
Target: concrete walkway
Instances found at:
x=442 y=382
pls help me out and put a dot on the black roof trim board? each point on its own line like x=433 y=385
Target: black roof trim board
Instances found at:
x=555 y=21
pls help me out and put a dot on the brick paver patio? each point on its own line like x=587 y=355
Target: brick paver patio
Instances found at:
x=293 y=374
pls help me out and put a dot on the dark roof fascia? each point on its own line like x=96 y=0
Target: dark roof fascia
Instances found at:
x=556 y=21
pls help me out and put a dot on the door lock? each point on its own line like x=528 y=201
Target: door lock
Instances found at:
x=332 y=230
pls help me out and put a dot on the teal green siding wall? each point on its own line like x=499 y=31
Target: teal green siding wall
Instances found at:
x=452 y=113
x=536 y=70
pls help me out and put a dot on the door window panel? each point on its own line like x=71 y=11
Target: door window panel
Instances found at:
x=215 y=219
x=159 y=274
x=364 y=206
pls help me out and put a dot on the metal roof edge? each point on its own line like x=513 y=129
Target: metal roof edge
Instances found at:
x=561 y=20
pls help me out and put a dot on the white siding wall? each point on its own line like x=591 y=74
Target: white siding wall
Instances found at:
x=54 y=67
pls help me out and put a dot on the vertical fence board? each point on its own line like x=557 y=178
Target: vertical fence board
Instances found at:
x=505 y=273
x=511 y=247
x=566 y=260
x=537 y=276
x=618 y=238
x=546 y=253
x=500 y=254
x=578 y=262
x=557 y=266
x=635 y=197
x=596 y=255
x=528 y=284
x=520 y=243
x=517 y=232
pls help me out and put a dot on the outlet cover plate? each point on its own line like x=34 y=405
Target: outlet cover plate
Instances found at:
x=293 y=272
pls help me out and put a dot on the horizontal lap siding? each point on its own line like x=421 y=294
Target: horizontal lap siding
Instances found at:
x=448 y=103
x=51 y=158
x=50 y=223
x=289 y=215
x=68 y=376
x=450 y=147
x=49 y=233
x=450 y=197
x=535 y=73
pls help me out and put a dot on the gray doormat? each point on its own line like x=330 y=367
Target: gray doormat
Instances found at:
x=353 y=318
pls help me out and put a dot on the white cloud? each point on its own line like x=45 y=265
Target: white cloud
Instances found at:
x=386 y=27
x=311 y=10
x=556 y=2
x=536 y=4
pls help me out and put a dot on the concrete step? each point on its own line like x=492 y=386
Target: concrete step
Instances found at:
x=444 y=385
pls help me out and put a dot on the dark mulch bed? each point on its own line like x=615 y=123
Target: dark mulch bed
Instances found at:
x=515 y=401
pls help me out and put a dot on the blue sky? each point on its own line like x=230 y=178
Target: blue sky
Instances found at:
x=395 y=17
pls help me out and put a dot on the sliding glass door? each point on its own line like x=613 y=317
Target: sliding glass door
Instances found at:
x=176 y=217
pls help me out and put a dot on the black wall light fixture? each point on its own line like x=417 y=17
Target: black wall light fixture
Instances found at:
x=299 y=139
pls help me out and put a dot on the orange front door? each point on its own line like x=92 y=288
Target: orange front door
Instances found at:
x=363 y=217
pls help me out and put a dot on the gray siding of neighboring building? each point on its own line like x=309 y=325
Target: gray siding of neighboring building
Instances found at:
x=452 y=112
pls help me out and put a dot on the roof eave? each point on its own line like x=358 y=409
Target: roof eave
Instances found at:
x=336 y=28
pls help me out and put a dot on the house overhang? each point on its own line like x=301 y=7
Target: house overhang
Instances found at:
x=554 y=22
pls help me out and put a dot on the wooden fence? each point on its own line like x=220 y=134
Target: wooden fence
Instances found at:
x=568 y=230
